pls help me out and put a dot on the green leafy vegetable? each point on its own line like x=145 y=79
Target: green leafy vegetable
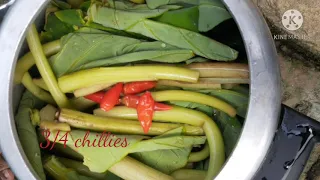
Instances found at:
x=87 y=50
x=175 y=158
x=165 y=161
x=55 y=28
x=182 y=38
x=186 y=18
x=231 y=130
x=85 y=6
x=211 y=13
x=71 y=16
x=27 y=133
x=60 y=4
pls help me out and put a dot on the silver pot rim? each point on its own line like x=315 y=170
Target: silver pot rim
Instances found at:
x=263 y=110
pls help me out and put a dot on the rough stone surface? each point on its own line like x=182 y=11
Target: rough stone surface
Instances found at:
x=300 y=86
x=301 y=91
x=306 y=41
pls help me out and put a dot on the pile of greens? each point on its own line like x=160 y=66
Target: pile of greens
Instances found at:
x=86 y=47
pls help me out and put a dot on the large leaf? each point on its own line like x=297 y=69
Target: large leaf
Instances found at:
x=121 y=19
x=167 y=160
x=202 y=17
x=186 y=18
x=27 y=133
x=211 y=13
x=71 y=16
x=199 y=44
x=231 y=130
x=88 y=50
x=55 y=28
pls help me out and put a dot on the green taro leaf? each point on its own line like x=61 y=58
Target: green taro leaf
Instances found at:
x=118 y=19
x=61 y=4
x=85 y=6
x=231 y=130
x=182 y=38
x=88 y=50
x=27 y=133
x=211 y=13
x=55 y=28
x=167 y=160
x=186 y=18
x=71 y=16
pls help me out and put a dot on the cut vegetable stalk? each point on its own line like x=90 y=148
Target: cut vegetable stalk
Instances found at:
x=90 y=90
x=82 y=103
x=107 y=75
x=87 y=121
x=35 y=90
x=44 y=67
x=54 y=126
x=201 y=84
x=27 y=61
x=222 y=70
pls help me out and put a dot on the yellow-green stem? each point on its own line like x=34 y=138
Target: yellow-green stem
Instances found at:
x=189 y=174
x=116 y=125
x=131 y=169
x=90 y=77
x=40 y=83
x=189 y=96
x=27 y=61
x=221 y=69
x=44 y=67
x=89 y=90
x=82 y=103
x=176 y=114
x=201 y=155
x=54 y=126
x=201 y=84
x=35 y=90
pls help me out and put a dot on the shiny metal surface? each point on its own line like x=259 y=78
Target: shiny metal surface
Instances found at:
x=264 y=106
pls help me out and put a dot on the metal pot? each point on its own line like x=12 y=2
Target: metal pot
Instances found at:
x=263 y=111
